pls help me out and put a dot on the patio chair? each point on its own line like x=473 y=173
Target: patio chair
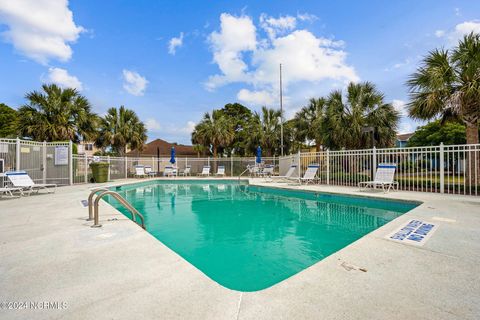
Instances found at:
x=253 y=170
x=21 y=179
x=186 y=171
x=310 y=174
x=140 y=171
x=10 y=190
x=383 y=177
x=205 y=171
x=287 y=176
x=170 y=171
x=267 y=171
x=149 y=172
x=220 y=171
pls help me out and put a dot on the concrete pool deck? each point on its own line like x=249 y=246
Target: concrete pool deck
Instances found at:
x=49 y=253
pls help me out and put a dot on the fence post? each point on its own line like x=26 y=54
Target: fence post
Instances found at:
x=85 y=159
x=374 y=161
x=126 y=167
x=70 y=162
x=17 y=155
x=442 y=169
x=231 y=165
x=328 y=166
x=108 y=160
x=44 y=162
x=299 y=165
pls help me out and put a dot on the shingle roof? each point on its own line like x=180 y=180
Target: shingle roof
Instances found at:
x=150 y=149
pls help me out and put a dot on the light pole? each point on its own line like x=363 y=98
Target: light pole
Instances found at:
x=281 y=112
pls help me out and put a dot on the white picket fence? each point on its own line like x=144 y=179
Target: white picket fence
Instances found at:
x=453 y=169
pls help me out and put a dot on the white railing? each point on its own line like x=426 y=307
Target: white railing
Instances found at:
x=123 y=167
x=451 y=169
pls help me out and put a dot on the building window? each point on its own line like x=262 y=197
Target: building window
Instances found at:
x=89 y=147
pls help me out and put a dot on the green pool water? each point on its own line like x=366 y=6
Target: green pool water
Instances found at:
x=249 y=238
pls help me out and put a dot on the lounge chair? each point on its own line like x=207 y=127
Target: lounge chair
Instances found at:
x=170 y=171
x=220 y=171
x=21 y=179
x=149 y=172
x=310 y=174
x=186 y=171
x=383 y=177
x=205 y=171
x=253 y=170
x=287 y=176
x=10 y=190
x=267 y=171
x=140 y=171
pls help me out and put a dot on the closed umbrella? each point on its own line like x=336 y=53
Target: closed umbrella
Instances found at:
x=259 y=155
x=172 y=156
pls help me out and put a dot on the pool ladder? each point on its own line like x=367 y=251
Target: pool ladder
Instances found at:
x=93 y=206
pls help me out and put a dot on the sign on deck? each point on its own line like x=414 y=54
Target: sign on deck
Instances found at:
x=415 y=232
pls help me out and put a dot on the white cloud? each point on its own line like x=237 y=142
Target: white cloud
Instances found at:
x=242 y=57
x=174 y=43
x=277 y=26
x=237 y=34
x=256 y=98
x=134 y=83
x=62 y=78
x=439 y=33
x=40 y=29
x=307 y=17
x=400 y=106
x=460 y=30
x=152 y=125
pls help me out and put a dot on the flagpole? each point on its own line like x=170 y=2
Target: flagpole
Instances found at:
x=281 y=112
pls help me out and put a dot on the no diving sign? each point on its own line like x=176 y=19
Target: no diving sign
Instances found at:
x=414 y=232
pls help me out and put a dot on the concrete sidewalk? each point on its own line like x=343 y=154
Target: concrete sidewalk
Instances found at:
x=49 y=253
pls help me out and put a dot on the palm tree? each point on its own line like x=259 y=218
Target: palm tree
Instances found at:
x=447 y=85
x=264 y=130
x=57 y=114
x=121 y=129
x=360 y=120
x=308 y=121
x=213 y=130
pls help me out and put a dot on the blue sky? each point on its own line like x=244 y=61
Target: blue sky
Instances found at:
x=172 y=61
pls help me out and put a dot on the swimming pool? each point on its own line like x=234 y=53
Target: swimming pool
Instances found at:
x=248 y=238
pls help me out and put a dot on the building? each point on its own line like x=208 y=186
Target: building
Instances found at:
x=402 y=139
x=86 y=147
x=163 y=148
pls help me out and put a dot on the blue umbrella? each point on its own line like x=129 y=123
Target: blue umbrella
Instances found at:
x=259 y=155
x=172 y=156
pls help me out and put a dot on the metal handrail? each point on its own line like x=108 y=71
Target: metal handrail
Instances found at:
x=248 y=169
x=90 y=201
x=122 y=201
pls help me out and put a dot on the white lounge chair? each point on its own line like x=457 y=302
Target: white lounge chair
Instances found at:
x=149 y=172
x=288 y=175
x=170 y=171
x=186 y=171
x=267 y=171
x=220 y=171
x=383 y=177
x=10 y=190
x=21 y=179
x=205 y=171
x=253 y=170
x=309 y=175
x=140 y=171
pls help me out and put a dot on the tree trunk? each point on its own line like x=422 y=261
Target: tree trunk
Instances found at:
x=472 y=133
x=472 y=158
